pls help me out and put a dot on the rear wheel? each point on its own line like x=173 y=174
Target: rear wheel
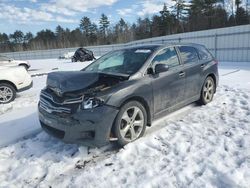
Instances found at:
x=130 y=123
x=7 y=93
x=208 y=90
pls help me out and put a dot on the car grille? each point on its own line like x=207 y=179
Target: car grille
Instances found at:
x=52 y=103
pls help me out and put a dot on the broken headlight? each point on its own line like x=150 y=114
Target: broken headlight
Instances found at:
x=90 y=103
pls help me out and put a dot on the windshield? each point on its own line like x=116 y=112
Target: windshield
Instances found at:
x=3 y=58
x=127 y=61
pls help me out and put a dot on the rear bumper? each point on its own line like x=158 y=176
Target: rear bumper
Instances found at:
x=86 y=127
x=25 y=83
x=26 y=88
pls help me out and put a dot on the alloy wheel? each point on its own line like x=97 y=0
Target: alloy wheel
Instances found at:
x=6 y=94
x=208 y=90
x=132 y=123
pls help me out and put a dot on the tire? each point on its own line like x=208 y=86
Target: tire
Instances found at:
x=208 y=90
x=125 y=127
x=7 y=93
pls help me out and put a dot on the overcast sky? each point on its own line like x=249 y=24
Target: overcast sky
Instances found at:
x=35 y=15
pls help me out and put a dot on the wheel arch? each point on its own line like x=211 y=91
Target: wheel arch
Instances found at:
x=214 y=79
x=23 y=64
x=9 y=82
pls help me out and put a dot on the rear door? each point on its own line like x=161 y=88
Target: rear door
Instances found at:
x=168 y=87
x=192 y=67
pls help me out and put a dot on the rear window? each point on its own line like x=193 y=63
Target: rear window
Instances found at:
x=204 y=54
x=188 y=54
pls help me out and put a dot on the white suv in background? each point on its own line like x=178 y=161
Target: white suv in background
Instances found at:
x=12 y=80
x=8 y=62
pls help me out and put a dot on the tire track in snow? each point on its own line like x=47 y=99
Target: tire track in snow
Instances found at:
x=232 y=72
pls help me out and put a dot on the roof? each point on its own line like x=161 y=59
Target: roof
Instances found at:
x=153 y=47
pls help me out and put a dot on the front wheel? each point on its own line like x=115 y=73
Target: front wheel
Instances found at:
x=208 y=90
x=130 y=123
x=7 y=93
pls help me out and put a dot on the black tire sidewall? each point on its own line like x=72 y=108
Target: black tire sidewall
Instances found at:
x=13 y=91
x=116 y=127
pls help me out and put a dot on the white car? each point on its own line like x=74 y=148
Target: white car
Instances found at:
x=8 y=62
x=13 y=80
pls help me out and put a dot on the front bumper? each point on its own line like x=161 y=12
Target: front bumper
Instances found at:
x=86 y=127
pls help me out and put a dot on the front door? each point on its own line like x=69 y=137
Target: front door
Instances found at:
x=168 y=87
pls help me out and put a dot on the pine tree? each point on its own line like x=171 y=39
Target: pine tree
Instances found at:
x=157 y=29
x=28 y=37
x=85 y=25
x=104 y=24
x=179 y=8
x=93 y=31
x=121 y=31
x=17 y=37
x=166 y=21
x=241 y=15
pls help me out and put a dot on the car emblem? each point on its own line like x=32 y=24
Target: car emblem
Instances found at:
x=57 y=91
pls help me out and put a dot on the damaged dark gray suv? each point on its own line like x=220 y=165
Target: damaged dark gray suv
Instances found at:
x=118 y=95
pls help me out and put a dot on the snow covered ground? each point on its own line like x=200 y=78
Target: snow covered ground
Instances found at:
x=197 y=146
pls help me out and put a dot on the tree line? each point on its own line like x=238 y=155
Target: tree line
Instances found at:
x=181 y=17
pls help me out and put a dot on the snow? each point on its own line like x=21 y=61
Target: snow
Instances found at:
x=196 y=146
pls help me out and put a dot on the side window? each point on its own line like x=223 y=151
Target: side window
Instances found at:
x=167 y=56
x=204 y=54
x=188 y=54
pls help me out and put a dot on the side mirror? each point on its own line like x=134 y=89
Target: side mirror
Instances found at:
x=161 y=68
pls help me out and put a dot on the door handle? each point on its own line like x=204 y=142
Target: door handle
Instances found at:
x=181 y=74
x=202 y=65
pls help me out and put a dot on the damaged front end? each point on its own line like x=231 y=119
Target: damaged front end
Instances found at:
x=73 y=107
x=67 y=92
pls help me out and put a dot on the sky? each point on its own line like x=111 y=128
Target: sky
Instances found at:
x=35 y=15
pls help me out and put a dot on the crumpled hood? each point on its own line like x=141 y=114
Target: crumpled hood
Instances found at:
x=74 y=81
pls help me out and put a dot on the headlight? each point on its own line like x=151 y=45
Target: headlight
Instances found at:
x=90 y=103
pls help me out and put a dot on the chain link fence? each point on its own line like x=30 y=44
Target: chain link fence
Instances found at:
x=226 y=44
